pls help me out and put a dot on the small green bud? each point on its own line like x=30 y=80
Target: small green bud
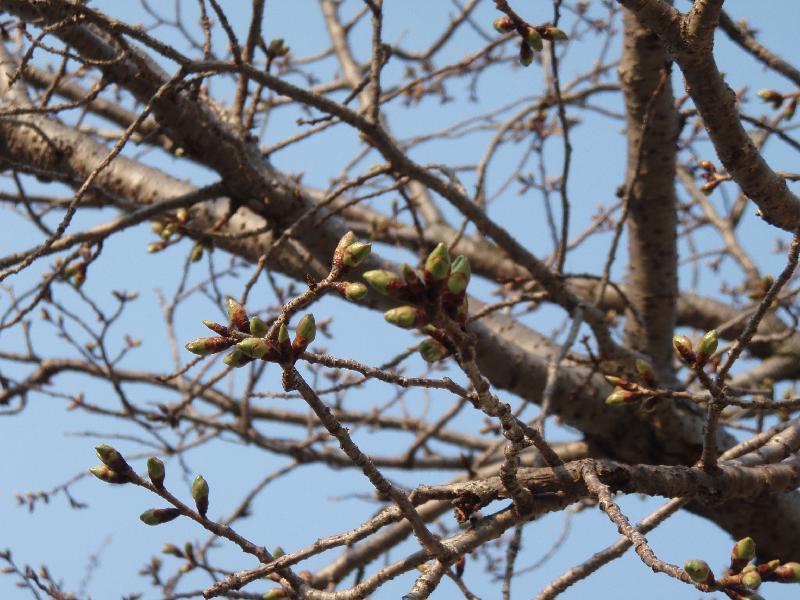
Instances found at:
x=159 y=516
x=283 y=334
x=254 y=347
x=623 y=396
x=172 y=550
x=305 y=333
x=277 y=47
x=699 y=571
x=348 y=239
x=168 y=230
x=744 y=549
x=706 y=347
x=238 y=315
x=407 y=317
x=355 y=291
x=645 y=370
x=503 y=25
x=412 y=281
x=460 y=273
x=273 y=594
x=197 y=253
x=157 y=227
x=278 y=552
x=525 y=54
x=236 y=359
x=437 y=266
x=200 y=494
x=216 y=327
x=553 y=34
x=112 y=459
x=384 y=282
x=788 y=573
x=683 y=348
x=156 y=247
x=768 y=567
x=104 y=473
x=356 y=253
x=533 y=38
x=432 y=350
x=751 y=579
x=156 y=471
x=257 y=327
x=209 y=345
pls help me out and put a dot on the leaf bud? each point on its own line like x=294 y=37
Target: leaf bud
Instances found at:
x=197 y=253
x=216 y=327
x=355 y=291
x=385 y=282
x=159 y=516
x=413 y=281
x=437 y=265
x=238 y=315
x=209 y=345
x=707 y=347
x=111 y=458
x=407 y=317
x=683 y=348
x=172 y=550
x=347 y=239
x=534 y=38
x=156 y=471
x=432 y=350
x=787 y=573
x=460 y=273
x=356 y=253
x=278 y=552
x=645 y=371
x=257 y=327
x=156 y=247
x=305 y=333
x=236 y=359
x=751 y=579
x=104 y=473
x=254 y=347
x=622 y=396
x=699 y=571
x=553 y=34
x=503 y=25
x=200 y=494
x=744 y=549
x=525 y=54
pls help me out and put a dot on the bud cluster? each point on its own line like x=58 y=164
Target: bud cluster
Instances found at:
x=169 y=232
x=696 y=358
x=629 y=392
x=532 y=36
x=349 y=252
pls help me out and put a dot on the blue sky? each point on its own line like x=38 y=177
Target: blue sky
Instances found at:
x=47 y=445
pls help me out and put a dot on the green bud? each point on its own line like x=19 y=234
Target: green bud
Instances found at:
x=238 y=315
x=503 y=25
x=209 y=345
x=156 y=472
x=744 y=549
x=356 y=253
x=348 y=239
x=355 y=291
x=254 y=347
x=412 y=280
x=525 y=54
x=157 y=227
x=278 y=47
x=533 y=38
x=272 y=595
x=699 y=571
x=278 y=552
x=172 y=550
x=407 y=317
x=788 y=573
x=554 y=34
x=623 y=396
x=257 y=327
x=236 y=359
x=159 y=516
x=305 y=333
x=216 y=327
x=197 y=253
x=168 y=230
x=432 y=350
x=707 y=347
x=200 y=494
x=283 y=334
x=683 y=348
x=645 y=370
x=460 y=273
x=112 y=459
x=104 y=473
x=751 y=579
x=384 y=282
x=437 y=266
x=768 y=567
x=156 y=247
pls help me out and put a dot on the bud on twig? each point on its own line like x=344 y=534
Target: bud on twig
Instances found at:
x=257 y=327
x=414 y=283
x=460 y=273
x=751 y=579
x=645 y=370
x=236 y=359
x=437 y=265
x=787 y=573
x=553 y=34
x=216 y=327
x=533 y=38
x=172 y=550
x=209 y=345
x=699 y=571
x=432 y=350
x=197 y=253
x=104 y=473
x=355 y=291
x=200 y=495
x=742 y=553
x=683 y=348
x=238 y=315
x=622 y=396
x=525 y=54
x=112 y=459
x=305 y=333
x=256 y=347
x=706 y=347
x=460 y=564
x=385 y=282
x=503 y=25
x=155 y=470
x=356 y=253
x=407 y=317
x=159 y=516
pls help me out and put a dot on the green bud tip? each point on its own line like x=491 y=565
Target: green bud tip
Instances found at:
x=355 y=291
x=307 y=329
x=383 y=282
x=406 y=317
x=432 y=350
x=788 y=572
x=503 y=25
x=460 y=273
x=283 y=334
x=208 y=345
x=278 y=552
x=698 y=570
x=356 y=253
x=745 y=549
x=533 y=37
x=707 y=346
x=236 y=359
x=172 y=550
x=237 y=314
x=103 y=473
x=556 y=34
x=253 y=347
x=683 y=347
x=111 y=458
x=199 y=488
x=437 y=266
x=159 y=516
x=525 y=54
x=155 y=470
x=197 y=253
x=616 y=397
x=348 y=239
x=257 y=327
x=751 y=579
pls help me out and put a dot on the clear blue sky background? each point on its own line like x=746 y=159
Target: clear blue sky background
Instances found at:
x=47 y=445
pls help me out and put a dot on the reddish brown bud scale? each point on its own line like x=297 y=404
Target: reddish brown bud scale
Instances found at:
x=304 y=334
x=238 y=315
x=216 y=327
x=209 y=345
x=525 y=54
x=407 y=317
x=104 y=473
x=159 y=516
x=460 y=564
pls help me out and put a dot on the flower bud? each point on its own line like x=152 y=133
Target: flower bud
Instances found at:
x=460 y=273
x=168 y=230
x=238 y=315
x=533 y=38
x=236 y=359
x=432 y=350
x=503 y=25
x=283 y=334
x=787 y=573
x=104 y=473
x=159 y=516
x=156 y=472
x=683 y=348
x=407 y=317
x=216 y=327
x=112 y=459
x=200 y=494
x=622 y=396
x=197 y=253
x=305 y=333
x=553 y=34
x=706 y=347
x=209 y=345
x=699 y=571
x=257 y=327
x=413 y=282
x=768 y=567
x=355 y=291
x=744 y=550
x=172 y=550
x=385 y=282
x=157 y=227
x=254 y=347
x=347 y=239
x=356 y=253
x=278 y=552
x=525 y=54
x=277 y=47
x=645 y=370
x=156 y=247
x=751 y=579
x=437 y=265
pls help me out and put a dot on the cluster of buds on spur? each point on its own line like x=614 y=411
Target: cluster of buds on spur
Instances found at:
x=629 y=392
x=114 y=469
x=744 y=575
x=712 y=176
x=168 y=229
x=349 y=252
x=696 y=358
x=532 y=36
x=776 y=99
x=442 y=280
